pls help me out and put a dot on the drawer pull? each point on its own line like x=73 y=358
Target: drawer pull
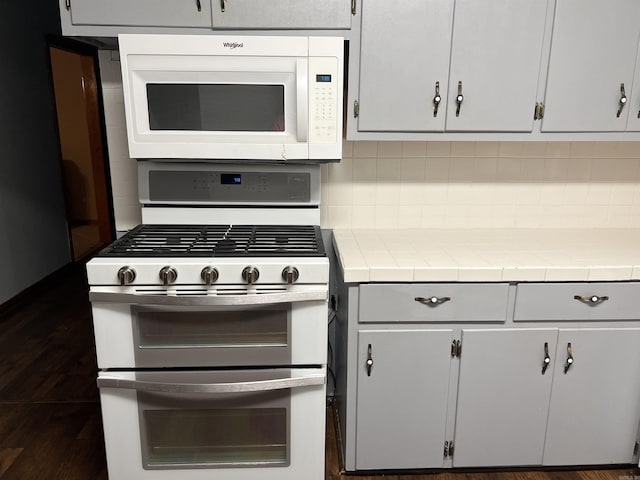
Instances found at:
x=547 y=358
x=567 y=365
x=369 y=362
x=432 y=301
x=592 y=300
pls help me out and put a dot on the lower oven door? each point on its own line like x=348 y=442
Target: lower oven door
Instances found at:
x=154 y=331
x=214 y=425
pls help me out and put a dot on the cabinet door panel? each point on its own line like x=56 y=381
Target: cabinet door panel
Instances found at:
x=148 y=13
x=592 y=53
x=503 y=397
x=295 y=14
x=595 y=406
x=495 y=53
x=633 y=125
x=402 y=405
x=404 y=52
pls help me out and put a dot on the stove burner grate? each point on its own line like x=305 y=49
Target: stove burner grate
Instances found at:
x=218 y=241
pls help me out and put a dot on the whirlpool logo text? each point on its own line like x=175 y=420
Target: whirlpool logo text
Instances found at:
x=233 y=45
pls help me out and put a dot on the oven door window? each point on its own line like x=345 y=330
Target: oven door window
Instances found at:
x=182 y=431
x=240 y=336
x=216 y=107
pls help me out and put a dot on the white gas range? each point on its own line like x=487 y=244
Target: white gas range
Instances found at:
x=211 y=337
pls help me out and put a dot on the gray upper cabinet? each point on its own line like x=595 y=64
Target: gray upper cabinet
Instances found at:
x=108 y=18
x=147 y=13
x=281 y=14
x=495 y=64
x=633 y=125
x=593 y=53
x=404 y=54
x=413 y=68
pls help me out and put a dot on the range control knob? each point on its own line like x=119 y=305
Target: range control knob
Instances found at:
x=209 y=275
x=290 y=274
x=126 y=275
x=168 y=275
x=250 y=274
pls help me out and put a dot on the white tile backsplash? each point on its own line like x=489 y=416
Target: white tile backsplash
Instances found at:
x=438 y=184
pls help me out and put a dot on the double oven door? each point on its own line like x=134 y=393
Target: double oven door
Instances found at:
x=222 y=387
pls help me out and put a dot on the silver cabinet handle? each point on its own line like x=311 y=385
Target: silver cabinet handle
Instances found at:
x=222 y=5
x=436 y=100
x=547 y=358
x=567 y=365
x=459 y=99
x=369 y=362
x=432 y=301
x=199 y=5
x=187 y=388
x=592 y=300
x=209 y=300
x=623 y=100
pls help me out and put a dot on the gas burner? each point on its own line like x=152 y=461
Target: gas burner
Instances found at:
x=218 y=241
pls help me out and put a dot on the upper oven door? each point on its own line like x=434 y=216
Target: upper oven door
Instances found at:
x=233 y=97
x=135 y=330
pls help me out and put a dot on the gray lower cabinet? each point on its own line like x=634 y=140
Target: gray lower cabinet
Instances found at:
x=503 y=396
x=402 y=398
x=551 y=378
x=595 y=405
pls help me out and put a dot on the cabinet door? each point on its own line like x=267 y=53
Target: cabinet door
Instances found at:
x=404 y=52
x=633 y=125
x=503 y=397
x=402 y=404
x=495 y=55
x=151 y=13
x=295 y=14
x=595 y=405
x=593 y=52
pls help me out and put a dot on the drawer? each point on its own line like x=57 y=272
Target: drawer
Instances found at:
x=455 y=302
x=577 y=301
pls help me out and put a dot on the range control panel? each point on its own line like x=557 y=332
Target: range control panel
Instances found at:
x=227 y=187
x=323 y=99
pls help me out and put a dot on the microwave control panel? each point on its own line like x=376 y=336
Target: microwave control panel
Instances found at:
x=323 y=99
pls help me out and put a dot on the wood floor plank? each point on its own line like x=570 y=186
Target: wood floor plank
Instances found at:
x=7 y=457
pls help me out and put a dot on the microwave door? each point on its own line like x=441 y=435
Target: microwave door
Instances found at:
x=221 y=115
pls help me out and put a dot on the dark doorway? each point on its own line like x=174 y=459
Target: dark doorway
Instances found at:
x=81 y=131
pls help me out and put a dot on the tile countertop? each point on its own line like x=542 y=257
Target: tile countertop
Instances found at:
x=488 y=255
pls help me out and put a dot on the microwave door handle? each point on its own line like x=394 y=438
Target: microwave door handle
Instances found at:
x=212 y=388
x=302 y=101
x=210 y=300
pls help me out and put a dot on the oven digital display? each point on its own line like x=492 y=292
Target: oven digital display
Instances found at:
x=323 y=78
x=230 y=179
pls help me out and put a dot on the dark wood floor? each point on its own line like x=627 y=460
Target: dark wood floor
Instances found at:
x=50 y=426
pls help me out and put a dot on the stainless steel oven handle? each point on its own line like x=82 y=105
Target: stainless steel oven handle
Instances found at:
x=187 y=388
x=209 y=300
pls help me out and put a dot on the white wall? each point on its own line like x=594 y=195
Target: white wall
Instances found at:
x=439 y=184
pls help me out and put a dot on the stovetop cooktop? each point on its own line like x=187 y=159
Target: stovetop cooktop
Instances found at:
x=218 y=241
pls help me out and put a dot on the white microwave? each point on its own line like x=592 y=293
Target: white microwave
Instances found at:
x=233 y=97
